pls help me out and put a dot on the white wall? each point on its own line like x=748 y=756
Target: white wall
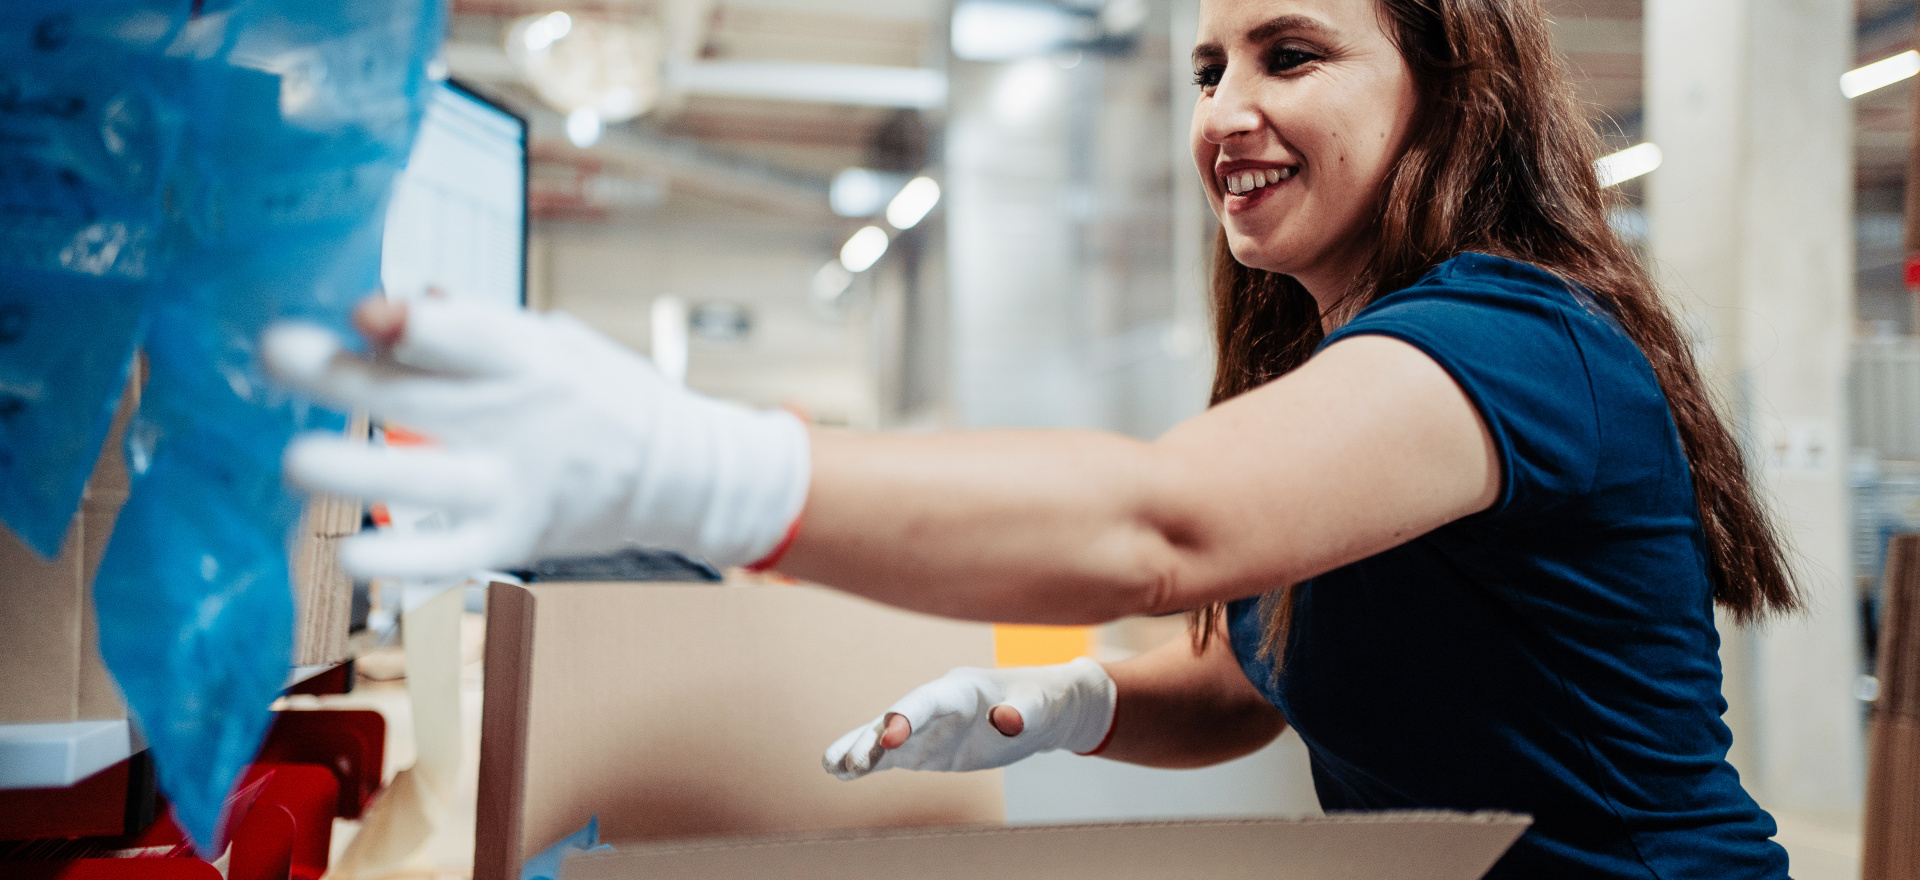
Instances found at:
x=796 y=353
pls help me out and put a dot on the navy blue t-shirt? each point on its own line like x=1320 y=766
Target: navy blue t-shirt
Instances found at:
x=1554 y=654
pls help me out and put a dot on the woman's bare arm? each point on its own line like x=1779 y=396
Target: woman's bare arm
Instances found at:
x=1368 y=445
x=1174 y=709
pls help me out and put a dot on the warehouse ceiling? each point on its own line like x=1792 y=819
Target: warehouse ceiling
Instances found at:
x=775 y=156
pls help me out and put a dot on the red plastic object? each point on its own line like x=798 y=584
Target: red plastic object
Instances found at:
x=111 y=869
x=338 y=680
x=350 y=742
x=263 y=844
x=93 y=807
x=307 y=794
x=1912 y=273
x=281 y=823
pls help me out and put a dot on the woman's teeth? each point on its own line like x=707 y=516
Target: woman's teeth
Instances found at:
x=1248 y=181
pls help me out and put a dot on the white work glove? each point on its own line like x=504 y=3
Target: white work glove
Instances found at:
x=1069 y=706
x=552 y=441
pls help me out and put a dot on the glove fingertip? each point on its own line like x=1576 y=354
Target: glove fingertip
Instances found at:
x=853 y=762
x=297 y=352
x=311 y=459
x=461 y=336
x=371 y=555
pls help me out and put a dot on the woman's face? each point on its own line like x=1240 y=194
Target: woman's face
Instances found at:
x=1304 y=107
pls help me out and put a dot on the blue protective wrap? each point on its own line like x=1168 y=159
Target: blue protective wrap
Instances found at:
x=228 y=167
x=89 y=122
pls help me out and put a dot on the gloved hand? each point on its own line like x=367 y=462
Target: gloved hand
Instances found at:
x=1069 y=706
x=553 y=441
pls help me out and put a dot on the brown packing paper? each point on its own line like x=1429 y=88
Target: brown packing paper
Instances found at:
x=1376 y=846
x=676 y=711
x=420 y=801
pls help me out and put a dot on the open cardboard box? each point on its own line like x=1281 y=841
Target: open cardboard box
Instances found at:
x=690 y=721
x=48 y=635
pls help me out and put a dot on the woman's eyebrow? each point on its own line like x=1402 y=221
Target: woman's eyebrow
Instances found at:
x=1285 y=23
x=1267 y=31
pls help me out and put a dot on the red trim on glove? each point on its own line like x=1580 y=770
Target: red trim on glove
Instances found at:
x=1112 y=724
x=767 y=562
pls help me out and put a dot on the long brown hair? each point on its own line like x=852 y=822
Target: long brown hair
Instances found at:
x=1500 y=160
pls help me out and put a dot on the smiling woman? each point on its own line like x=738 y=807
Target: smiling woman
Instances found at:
x=1300 y=117
x=1460 y=511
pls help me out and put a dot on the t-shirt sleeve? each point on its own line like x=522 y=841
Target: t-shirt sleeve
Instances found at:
x=1515 y=355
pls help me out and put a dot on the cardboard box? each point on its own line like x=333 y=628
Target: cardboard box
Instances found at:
x=676 y=711
x=322 y=590
x=1374 y=846
x=40 y=631
x=47 y=633
x=691 y=719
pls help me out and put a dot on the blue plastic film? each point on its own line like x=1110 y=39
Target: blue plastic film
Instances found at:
x=89 y=121
x=292 y=120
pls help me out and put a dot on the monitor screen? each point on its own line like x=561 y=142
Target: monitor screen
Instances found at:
x=458 y=219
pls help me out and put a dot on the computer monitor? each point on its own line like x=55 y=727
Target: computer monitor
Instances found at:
x=458 y=219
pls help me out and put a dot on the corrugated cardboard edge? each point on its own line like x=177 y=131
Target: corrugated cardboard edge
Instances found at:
x=323 y=591
x=808 y=838
x=1096 y=850
x=503 y=733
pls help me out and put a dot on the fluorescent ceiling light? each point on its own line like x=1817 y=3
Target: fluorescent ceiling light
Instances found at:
x=541 y=33
x=831 y=281
x=589 y=63
x=913 y=88
x=1025 y=89
x=1627 y=164
x=1004 y=30
x=1879 y=74
x=863 y=249
x=913 y=202
x=583 y=127
x=858 y=192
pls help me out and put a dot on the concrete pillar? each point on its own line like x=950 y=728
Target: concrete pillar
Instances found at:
x=1021 y=331
x=1750 y=232
x=1193 y=220
x=1075 y=292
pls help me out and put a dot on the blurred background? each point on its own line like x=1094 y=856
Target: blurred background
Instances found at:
x=923 y=214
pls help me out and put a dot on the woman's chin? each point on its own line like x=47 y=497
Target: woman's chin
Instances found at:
x=1254 y=253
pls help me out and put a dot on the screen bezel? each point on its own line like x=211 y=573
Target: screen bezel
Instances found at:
x=526 y=172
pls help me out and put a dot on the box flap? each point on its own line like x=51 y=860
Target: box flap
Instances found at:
x=1375 y=846
x=682 y=711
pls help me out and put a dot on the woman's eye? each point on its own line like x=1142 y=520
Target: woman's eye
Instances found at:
x=1284 y=59
x=1209 y=76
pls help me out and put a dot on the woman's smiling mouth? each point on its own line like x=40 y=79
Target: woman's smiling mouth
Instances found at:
x=1243 y=185
x=1243 y=182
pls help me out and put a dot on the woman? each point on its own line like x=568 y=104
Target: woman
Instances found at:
x=1460 y=511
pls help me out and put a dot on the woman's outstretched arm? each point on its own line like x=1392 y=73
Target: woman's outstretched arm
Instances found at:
x=1176 y=709
x=558 y=442
x=1368 y=445
x=1170 y=707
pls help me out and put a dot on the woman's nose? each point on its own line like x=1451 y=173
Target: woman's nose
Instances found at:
x=1230 y=111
